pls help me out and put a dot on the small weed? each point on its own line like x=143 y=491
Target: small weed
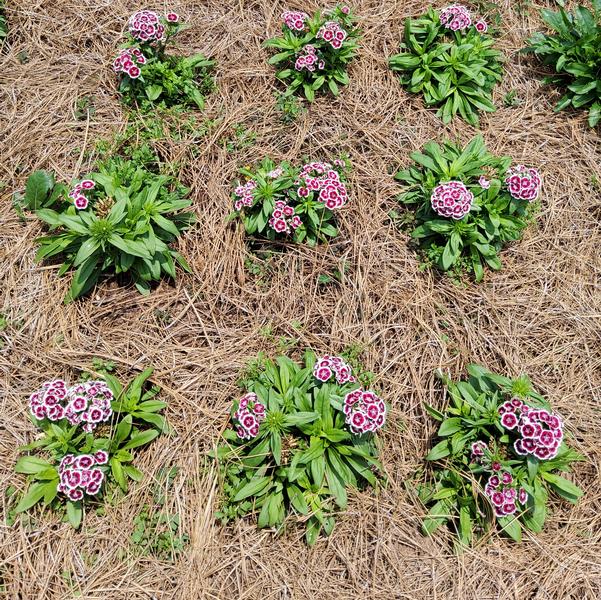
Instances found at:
x=512 y=99
x=290 y=107
x=84 y=108
x=240 y=139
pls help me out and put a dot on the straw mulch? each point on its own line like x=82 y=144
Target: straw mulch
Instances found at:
x=540 y=315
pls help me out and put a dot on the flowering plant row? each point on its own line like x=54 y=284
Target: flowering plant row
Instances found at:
x=313 y=52
x=469 y=204
x=286 y=202
x=448 y=56
x=574 y=53
x=301 y=436
x=500 y=450
x=148 y=76
x=118 y=221
x=90 y=430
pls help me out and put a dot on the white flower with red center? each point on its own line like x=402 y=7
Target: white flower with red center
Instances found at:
x=455 y=17
x=145 y=26
x=540 y=432
x=80 y=202
x=244 y=194
x=80 y=475
x=283 y=218
x=481 y=26
x=364 y=411
x=128 y=62
x=249 y=415
x=333 y=33
x=452 y=199
x=328 y=366
x=483 y=182
x=307 y=59
x=478 y=450
x=523 y=182
x=89 y=403
x=46 y=403
x=172 y=17
x=322 y=178
x=504 y=495
x=294 y=20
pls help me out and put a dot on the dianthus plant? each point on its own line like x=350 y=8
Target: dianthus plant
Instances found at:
x=301 y=436
x=89 y=432
x=313 y=52
x=448 y=57
x=573 y=51
x=468 y=204
x=108 y=225
x=148 y=76
x=500 y=450
x=296 y=203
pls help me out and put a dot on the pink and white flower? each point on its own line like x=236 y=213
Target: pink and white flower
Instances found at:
x=333 y=33
x=523 y=183
x=249 y=415
x=364 y=411
x=80 y=475
x=328 y=366
x=451 y=199
x=481 y=26
x=455 y=17
x=294 y=20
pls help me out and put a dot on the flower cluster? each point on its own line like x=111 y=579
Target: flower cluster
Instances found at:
x=46 y=403
x=504 y=494
x=128 y=62
x=523 y=183
x=146 y=26
x=451 y=199
x=294 y=20
x=364 y=411
x=332 y=32
x=322 y=178
x=79 y=475
x=249 y=414
x=308 y=59
x=283 y=218
x=541 y=432
x=455 y=17
x=77 y=194
x=244 y=194
x=327 y=366
x=89 y=403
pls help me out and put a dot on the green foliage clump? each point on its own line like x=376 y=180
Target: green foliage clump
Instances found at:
x=495 y=217
x=455 y=70
x=573 y=51
x=460 y=482
x=312 y=221
x=330 y=67
x=135 y=422
x=303 y=459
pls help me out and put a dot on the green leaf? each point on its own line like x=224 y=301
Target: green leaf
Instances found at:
x=38 y=186
x=511 y=526
x=450 y=426
x=439 y=451
x=153 y=91
x=33 y=495
x=566 y=489
x=141 y=438
x=254 y=487
x=74 y=513
x=31 y=465
x=118 y=474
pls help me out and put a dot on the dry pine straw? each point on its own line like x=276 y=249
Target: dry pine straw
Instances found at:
x=540 y=315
